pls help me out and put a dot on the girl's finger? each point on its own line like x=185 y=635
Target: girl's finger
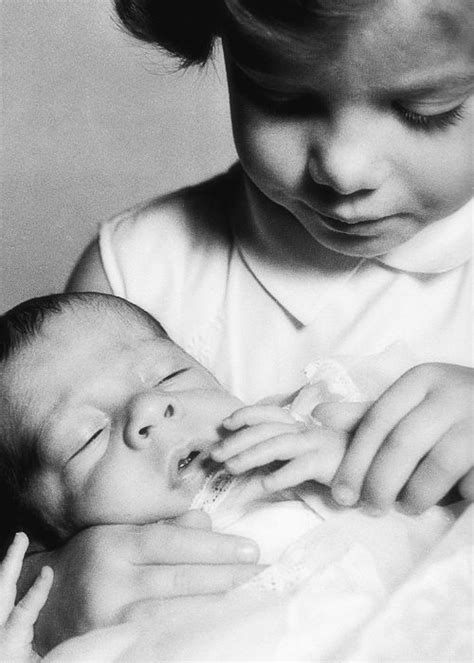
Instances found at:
x=25 y=613
x=401 y=452
x=289 y=446
x=466 y=486
x=340 y=416
x=319 y=466
x=257 y=414
x=404 y=395
x=249 y=437
x=439 y=471
x=188 y=580
x=194 y=519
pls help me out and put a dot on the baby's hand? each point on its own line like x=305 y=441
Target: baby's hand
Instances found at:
x=415 y=443
x=267 y=433
x=17 y=621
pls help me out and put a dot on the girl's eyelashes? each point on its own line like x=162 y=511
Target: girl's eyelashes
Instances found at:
x=272 y=100
x=280 y=102
x=428 y=123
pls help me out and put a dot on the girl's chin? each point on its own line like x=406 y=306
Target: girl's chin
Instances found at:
x=358 y=246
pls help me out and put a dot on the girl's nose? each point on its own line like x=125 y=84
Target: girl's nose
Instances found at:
x=147 y=417
x=347 y=157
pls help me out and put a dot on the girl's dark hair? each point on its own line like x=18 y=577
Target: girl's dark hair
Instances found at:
x=19 y=460
x=187 y=29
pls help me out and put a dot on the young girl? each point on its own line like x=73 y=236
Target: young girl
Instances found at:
x=345 y=227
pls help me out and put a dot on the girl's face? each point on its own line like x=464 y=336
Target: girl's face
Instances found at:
x=363 y=134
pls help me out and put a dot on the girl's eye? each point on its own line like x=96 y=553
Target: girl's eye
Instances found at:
x=431 y=122
x=272 y=101
x=278 y=103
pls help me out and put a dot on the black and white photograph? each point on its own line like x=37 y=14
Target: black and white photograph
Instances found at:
x=236 y=331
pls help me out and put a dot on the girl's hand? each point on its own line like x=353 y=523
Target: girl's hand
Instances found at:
x=17 y=621
x=266 y=433
x=415 y=443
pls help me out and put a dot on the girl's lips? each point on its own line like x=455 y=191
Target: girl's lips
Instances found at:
x=363 y=227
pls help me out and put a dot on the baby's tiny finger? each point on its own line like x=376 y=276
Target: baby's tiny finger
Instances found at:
x=280 y=447
x=315 y=466
x=247 y=438
x=324 y=442
x=257 y=414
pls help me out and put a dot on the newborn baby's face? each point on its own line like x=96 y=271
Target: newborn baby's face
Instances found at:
x=123 y=418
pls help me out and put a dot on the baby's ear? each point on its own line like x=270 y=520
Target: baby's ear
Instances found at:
x=340 y=416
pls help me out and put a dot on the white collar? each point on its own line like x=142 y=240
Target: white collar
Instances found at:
x=303 y=287
x=439 y=247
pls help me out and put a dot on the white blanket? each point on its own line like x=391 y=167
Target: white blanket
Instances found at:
x=367 y=589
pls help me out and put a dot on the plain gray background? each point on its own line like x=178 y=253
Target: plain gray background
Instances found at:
x=92 y=122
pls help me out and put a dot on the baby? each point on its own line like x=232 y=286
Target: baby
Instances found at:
x=105 y=420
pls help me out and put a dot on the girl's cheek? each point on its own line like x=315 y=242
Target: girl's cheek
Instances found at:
x=279 y=149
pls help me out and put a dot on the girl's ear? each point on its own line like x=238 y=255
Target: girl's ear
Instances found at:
x=185 y=28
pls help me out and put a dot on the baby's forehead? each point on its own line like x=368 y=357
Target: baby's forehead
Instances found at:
x=98 y=322
x=84 y=335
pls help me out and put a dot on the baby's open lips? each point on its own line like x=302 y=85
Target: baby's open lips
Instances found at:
x=184 y=462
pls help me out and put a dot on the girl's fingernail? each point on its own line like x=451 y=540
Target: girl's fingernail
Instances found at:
x=344 y=495
x=248 y=553
x=46 y=572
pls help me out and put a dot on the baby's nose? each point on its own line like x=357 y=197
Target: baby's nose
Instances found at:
x=148 y=415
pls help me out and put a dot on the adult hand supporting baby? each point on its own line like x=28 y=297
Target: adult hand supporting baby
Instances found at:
x=414 y=444
x=103 y=571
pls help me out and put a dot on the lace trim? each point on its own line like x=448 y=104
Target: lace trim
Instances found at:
x=213 y=491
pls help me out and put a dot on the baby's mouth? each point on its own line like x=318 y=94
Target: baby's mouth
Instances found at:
x=193 y=467
x=184 y=462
